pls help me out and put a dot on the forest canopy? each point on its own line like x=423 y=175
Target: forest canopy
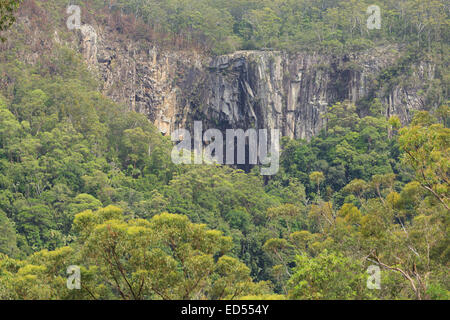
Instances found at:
x=335 y=26
x=85 y=181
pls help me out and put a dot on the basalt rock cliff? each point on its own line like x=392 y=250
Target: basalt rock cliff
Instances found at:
x=245 y=89
x=248 y=89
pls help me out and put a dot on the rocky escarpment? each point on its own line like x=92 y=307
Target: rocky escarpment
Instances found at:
x=259 y=89
x=292 y=92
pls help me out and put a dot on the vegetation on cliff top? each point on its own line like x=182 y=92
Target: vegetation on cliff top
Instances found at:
x=330 y=25
x=85 y=182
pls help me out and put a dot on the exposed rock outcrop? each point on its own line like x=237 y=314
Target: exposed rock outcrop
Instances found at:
x=260 y=89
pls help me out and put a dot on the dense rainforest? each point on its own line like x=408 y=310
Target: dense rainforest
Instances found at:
x=332 y=25
x=85 y=181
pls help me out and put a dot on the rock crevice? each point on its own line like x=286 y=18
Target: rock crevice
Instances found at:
x=246 y=89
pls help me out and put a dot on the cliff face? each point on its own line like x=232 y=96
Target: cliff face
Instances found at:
x=247 y=89
x=293 y=92
x=276 y=90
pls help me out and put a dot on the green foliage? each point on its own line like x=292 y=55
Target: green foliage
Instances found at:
x=7 y=9
x=331 y=26
x=167 y=257
x=328 y=276
x=339 y=200
x=8 y=237
x=84 y=181
x=427 y=151
x=402 y=228
x=351 y=148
